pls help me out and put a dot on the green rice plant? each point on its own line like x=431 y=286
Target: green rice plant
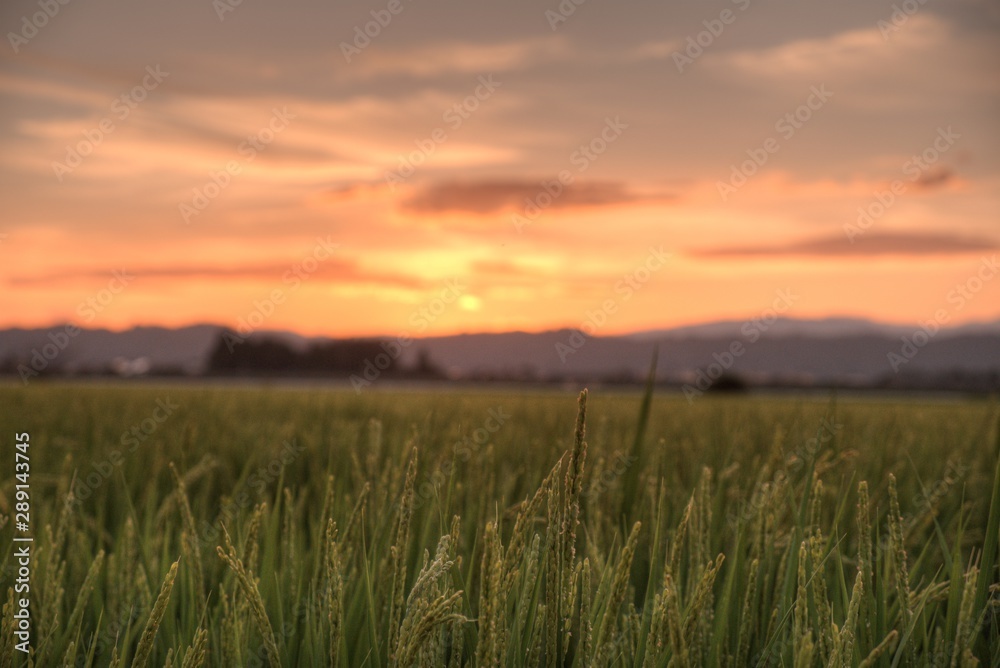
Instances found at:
x=155 y=619
x=519 y=546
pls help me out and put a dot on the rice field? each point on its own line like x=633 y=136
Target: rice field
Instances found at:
x=185 y=526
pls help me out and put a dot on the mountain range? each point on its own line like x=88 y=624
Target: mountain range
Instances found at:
x=847 y=351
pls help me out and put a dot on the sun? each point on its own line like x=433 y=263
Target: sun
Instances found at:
x=469 y=303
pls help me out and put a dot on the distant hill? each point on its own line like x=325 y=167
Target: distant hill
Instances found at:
x=185 y=349
x=820 y=328
x=836 y=350
x=852 y=359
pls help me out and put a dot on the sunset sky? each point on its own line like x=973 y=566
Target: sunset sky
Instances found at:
x=228 y=158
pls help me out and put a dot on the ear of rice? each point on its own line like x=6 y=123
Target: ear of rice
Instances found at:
x=399 y=552
x=885 y=646
x=155 y=617
x=196 y=654
x=191 y=544
x=73 y=627
x=616 y=596
x=249 y=587
x=899 y=563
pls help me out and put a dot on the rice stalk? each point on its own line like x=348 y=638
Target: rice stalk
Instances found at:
x=155 y=618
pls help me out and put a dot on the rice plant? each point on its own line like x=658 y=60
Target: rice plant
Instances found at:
x=293 y=528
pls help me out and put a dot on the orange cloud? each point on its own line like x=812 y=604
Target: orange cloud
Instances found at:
x=885 y=243
x=330 y=271
x=489 y=196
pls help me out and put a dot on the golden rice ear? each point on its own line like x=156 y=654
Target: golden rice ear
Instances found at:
x=898 y=548
x=399 y=552
x=249 y=587
x=197 y=652
x=155 y=618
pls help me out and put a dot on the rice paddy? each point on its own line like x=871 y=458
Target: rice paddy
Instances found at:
x=181 y=526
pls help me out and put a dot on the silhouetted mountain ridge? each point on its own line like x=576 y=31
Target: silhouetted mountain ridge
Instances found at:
x=833 y=350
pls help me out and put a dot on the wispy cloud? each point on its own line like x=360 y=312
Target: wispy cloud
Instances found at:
x=870 y=72
x=332 y=271
x=894 y=243
x=490 y=196
x=432 y=60
x=934 y=178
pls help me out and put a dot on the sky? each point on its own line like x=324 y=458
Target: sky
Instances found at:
x=427 y=167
